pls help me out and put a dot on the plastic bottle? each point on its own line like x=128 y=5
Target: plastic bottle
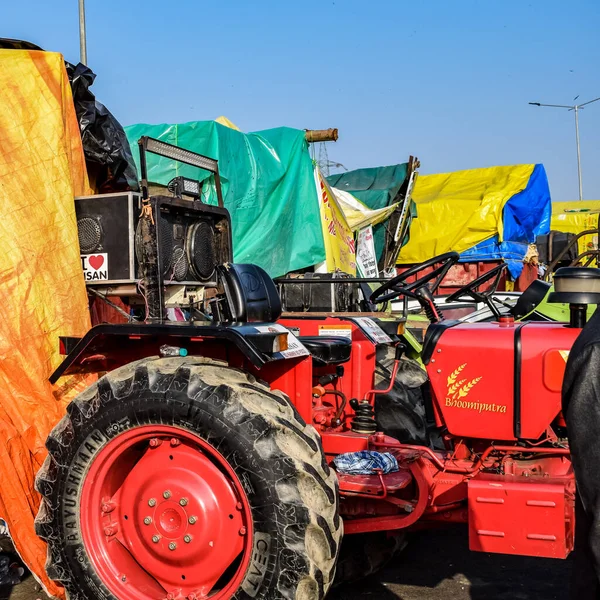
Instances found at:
x=167 y=350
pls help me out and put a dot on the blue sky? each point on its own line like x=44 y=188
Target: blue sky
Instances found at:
x=445 y=80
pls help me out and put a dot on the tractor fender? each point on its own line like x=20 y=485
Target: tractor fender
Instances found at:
x=108 y=346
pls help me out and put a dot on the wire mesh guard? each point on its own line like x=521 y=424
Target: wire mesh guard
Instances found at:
x=201 y=249
x=181 y=264
x=90 y=234
x=197 y=260
x=166 y=244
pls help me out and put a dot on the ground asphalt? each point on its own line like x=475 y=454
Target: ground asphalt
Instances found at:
x=435 y=566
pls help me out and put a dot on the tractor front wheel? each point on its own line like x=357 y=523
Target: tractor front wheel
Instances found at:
x=187 y=479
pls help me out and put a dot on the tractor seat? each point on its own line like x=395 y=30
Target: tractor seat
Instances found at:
x=327 y=350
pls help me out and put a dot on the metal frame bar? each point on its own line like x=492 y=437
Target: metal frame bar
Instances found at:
x=312 y=280
x=153 y=146
x=575 y=240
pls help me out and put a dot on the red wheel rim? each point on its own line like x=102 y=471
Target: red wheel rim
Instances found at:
x=165 y=516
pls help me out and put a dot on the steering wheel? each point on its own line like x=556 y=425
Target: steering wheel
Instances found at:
x=398 y=286
x=471 y=291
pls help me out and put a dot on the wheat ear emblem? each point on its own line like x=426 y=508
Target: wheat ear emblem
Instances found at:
x=455 y=386
x=458 y=387
x=465 y=389
x=453 y=376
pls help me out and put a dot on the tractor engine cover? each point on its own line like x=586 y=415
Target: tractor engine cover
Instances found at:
x=499 y=381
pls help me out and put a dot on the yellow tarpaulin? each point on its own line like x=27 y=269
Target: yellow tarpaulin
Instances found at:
x=340 y=249
x=456 y=211
x=42 y=293
x=358 y=215
x=225 y=121
x=575 y=217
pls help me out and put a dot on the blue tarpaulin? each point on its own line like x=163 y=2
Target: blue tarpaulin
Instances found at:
x=526 y=215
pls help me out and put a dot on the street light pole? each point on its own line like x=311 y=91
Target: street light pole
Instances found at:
x=82 y=36
x=575 y=108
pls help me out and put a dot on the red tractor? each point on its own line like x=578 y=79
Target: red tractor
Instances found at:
x=200 y=465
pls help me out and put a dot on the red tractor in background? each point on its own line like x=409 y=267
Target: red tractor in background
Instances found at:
x=200 y=465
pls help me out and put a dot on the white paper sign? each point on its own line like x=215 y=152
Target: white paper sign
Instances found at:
x=373 y=331
x=95 y=266
x=344 y=331
x=366 y=259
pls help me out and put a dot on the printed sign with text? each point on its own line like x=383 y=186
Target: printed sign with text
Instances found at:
x=95 y=266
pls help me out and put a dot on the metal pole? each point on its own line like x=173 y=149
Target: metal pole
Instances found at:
x=82 y=37
x=578 y=152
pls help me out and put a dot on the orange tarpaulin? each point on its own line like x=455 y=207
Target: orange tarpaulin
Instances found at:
x=42 y=292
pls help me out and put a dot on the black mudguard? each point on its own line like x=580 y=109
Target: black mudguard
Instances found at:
x=106 y=347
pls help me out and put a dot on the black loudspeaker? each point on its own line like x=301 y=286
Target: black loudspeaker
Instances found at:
x=192 y=239
x=105 y=225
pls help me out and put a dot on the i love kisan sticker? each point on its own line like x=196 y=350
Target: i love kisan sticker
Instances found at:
x=95 y=266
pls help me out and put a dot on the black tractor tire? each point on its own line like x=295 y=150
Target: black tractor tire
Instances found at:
x=364 y=554
x=401 y=413
x=292 y=493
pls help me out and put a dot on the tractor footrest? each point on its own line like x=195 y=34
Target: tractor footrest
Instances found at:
x=370 y=485
x=518 y=515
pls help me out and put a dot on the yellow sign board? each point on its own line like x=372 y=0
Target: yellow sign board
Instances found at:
x=340 y=249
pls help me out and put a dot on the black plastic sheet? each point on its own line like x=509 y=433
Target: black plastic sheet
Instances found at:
x=108 y=156
x=10 y=44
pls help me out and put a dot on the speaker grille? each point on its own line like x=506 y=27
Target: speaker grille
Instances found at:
x=90 y=234
x=181 y=264
x=201 y=250
x=166 y=244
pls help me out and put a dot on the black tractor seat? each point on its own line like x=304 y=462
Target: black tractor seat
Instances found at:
x=327 y=350
x=252 y=297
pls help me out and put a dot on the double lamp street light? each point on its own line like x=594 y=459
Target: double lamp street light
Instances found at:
x=575 y=108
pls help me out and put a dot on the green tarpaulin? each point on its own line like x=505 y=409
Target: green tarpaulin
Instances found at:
x=375 y=187
x=268 y=186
